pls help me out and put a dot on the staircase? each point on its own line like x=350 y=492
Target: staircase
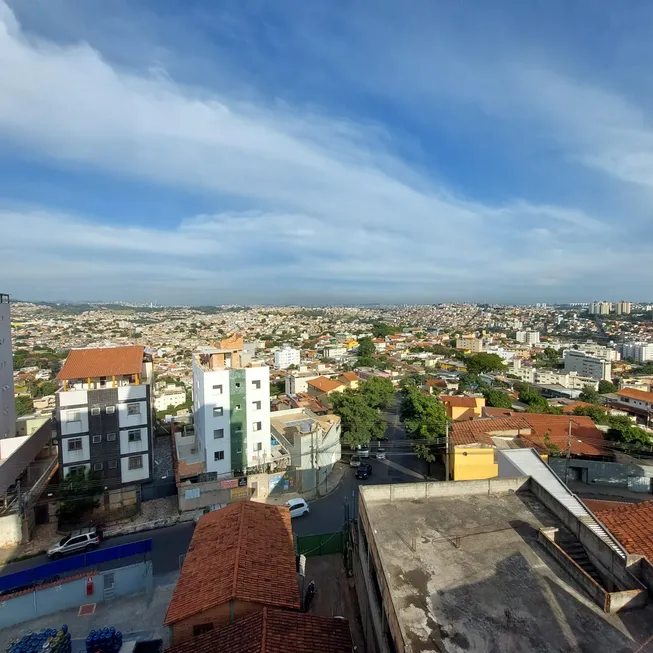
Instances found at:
x=574 y=549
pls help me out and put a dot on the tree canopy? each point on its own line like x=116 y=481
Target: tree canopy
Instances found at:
x=497 y=399
x=78 y=495
x=589 y=394
x=606 y=386
x=621 y=428
x=360 y=421
x=381 y=330
x=365 y=347
x=425 y=419
x=24 y=405
x=378 y=392
x=483 y=363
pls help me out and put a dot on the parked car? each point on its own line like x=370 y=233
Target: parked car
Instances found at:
x=364 y=471
x=355 y=460
x=298 y=507
x=380 y=454
x=80 y=541
x=364 y=450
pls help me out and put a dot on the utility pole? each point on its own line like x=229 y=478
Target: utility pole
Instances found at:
x=447 y=463
x=568 y=453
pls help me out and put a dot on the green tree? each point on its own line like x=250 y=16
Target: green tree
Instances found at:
x=589 y=394
x=497 y=399
x=365 y=347
x=425 y=419
x=366 y=361
x=24 y=405
x=606 y=386
x=483 y=363
x=381 y=330
x=378 y=392
x=46 y=388
x=78 y=495
x=596 y=413
x=360 y=422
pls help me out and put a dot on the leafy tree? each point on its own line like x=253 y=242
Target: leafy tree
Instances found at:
x=381 y=330
x=606 y=386
x=365 y=347
x=46 y=388
x=596 y=413
x=378 y=392
x=589 y=394
x=483 y=363
x=497 y=399
x=277 y=388
x=360 y=422
x=78 y=495
x=366 y=361
x=20 y=355
x=425 y=418
x=24 y=405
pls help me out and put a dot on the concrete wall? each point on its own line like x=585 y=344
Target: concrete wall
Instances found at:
x=600 y=473
x=474 y=463
x=53 y=598
x=11 y=531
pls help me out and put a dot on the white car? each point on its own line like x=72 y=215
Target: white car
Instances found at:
x=298 y=507
x=355 y=461
x=380 y=454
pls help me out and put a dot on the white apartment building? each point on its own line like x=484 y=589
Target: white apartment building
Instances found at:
x=7 y=405
x=475 y=345
x=638 y=351
x=528 y=337
x=284 y=358
x=598 y=351
x=622 y=308
x=231 y=405
x=104 y=416
x=298 y=382
x=599 y=308
x=169 y=397
x=587 y=365
x=570 y=380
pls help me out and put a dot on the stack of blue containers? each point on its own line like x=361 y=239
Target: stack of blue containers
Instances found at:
x=48 y=640
x=107 y=640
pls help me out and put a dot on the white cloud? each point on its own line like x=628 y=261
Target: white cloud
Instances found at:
x=330 y=205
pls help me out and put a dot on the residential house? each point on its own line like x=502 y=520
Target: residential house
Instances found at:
x=323 y=387
x=462 y=407
x=273 y=631
x=350 y=379
x=636 y=402
x=241 y=559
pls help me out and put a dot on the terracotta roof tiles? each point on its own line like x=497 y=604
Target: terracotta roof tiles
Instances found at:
x=324 y=384
x=104 y=361
x=640 y=395
x=631 y=524
x=458 y=401
x=245 y=552
x=478 y=431
x=273 y=631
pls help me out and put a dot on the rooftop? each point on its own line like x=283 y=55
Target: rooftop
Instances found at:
x=243 y=552
x=105 y=361
x=640 y=395
x=467 y=572
x=324 y=384
x=273 y=631
x=458 y=401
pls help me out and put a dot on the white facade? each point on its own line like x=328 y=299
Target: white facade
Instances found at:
x=586 y=365
x=638 y=351
x=528 y=337
x=169 y=398
x=217 y=402
x=7 y=405
x=298 y=382
x=286 y=357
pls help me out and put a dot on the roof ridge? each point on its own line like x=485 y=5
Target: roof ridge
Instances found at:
x=240 y=537
x=264 y=628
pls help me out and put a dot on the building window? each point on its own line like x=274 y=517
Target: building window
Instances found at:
x=217 y=389
x=218 y=433
x=257 y=405
x=95 y=410
x=237 y=384
x=75 y=444
x=97 y=467
x=217 y=411
x=134 y=436
x=133 y=409
x=218 y=455
x=73 y=416
x=200 y=629
x=75 y=469
x=97 y=439
x=135 y=462
x=237 y=407
x=113 y=464
x=258 y=446
x=257 y=385
x=111 y=437
x=257 y=426
x=111 y=410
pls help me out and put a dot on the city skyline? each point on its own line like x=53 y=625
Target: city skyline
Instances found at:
x=323 y=154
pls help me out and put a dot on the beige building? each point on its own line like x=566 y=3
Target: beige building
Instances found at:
x=475 y=345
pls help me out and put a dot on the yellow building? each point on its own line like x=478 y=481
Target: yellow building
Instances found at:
x=459 y=407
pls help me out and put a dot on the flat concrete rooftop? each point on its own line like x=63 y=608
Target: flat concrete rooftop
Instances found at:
x=466 y=573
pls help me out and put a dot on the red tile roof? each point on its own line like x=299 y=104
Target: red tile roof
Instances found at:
x=586 y=439
x=491 y=411
x=478 y=431
x=245 y=552
x=640 y=395
x=273 y=631
x=595 y=505
x=350 y=376
x=631 y=524
x=569 y=408
x=324 y=384
x=457 y=401
x=105 y=361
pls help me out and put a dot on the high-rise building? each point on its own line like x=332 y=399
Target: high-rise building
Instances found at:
x=284 y=358
x=7 y=405
x=600 y=308
x=622 y=308
x=528 y=337
x=231 y=403
x=640 y=352
x=104 y=414
x=475 y=345
x=587 y=365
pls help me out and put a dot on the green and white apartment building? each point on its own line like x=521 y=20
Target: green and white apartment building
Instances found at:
x=231 y=402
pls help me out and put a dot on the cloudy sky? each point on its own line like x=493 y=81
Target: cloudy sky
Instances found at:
x=378 y=151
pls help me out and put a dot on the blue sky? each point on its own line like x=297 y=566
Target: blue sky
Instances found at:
x=326 y=151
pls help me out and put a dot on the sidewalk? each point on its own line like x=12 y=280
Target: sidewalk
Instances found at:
x=134 y=616
x=328 y=486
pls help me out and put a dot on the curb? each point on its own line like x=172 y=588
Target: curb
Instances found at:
x=332 y=490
